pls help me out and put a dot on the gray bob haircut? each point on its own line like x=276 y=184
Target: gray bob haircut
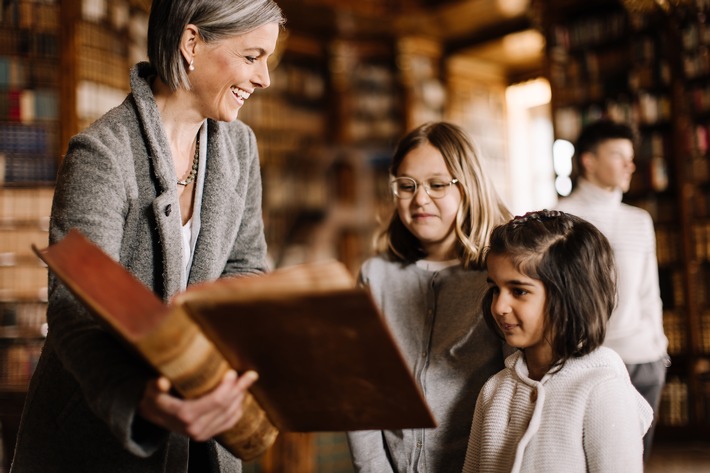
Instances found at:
x=215 y=20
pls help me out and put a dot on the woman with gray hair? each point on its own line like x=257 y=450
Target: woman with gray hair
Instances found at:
x=168 y=184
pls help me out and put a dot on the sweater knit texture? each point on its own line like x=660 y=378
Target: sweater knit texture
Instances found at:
x=436 y=319
x=587 y=417
x=117 y=185
x=635 y=329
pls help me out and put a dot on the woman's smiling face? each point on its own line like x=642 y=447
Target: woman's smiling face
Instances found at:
x=226 y=72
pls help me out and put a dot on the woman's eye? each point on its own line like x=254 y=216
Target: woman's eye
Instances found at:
x=250 y=59
x=519 y=292
x=437 y=185
x=406 y=187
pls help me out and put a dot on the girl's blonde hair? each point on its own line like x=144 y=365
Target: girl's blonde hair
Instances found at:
x=481 y=208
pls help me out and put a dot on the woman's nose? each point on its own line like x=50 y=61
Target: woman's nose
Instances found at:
x=262 y=78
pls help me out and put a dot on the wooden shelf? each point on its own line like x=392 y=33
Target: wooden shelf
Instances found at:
x=645 y=86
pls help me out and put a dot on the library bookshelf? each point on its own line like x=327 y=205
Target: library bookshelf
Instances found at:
x=619 y=60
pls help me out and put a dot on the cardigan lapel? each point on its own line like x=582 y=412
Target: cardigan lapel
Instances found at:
x=166 y=206
x=222 y=207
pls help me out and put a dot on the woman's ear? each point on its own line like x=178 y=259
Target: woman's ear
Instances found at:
x=188 y=43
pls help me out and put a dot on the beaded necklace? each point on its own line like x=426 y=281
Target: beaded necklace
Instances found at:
x=195 y=161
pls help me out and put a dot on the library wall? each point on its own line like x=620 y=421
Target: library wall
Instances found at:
x=618 y=60
x=326 y=129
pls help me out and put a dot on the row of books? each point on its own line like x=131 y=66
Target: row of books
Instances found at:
x=29 y=44
x=103 y=68
x=270 y=112
x=28 y=106
x=589 y=31
x=700 y=201
x=697 y=140
x=705 y=331
x=668 y=246
x=27 y=169
x=25 y=206
x=18 y=318
x=675 y=329
x=672 y=287
x=305 y=83
x=18 y=73
x=98 y=37
x=114 y=13
x=38 y=16
x=695 y=37
x=701 y=241
x=27 y=139
x=695 y=34
x=23 y=282
x=18 y=360
x=15 y=243
x=93 y=99
x=699 y=98
x=674 y=403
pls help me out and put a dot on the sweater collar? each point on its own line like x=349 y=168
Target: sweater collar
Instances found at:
x=594 y=194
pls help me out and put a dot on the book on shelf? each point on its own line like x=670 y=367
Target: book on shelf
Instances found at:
x=325 y=358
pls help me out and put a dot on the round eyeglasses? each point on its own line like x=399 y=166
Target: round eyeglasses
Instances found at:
x=406 y=187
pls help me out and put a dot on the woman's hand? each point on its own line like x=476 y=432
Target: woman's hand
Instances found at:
x=200 y=418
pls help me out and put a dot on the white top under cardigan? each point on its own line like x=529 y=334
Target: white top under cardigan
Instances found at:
x=191 y=229
x=587 y=417
x=635 y=328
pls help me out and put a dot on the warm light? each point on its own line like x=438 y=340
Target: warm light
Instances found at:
x=523 y=43
x=513 y=7
x=562 y=152
x=563 y=185
x=530 y=94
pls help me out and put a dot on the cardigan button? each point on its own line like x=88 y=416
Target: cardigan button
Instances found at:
x=533 y=395
x=168 y=209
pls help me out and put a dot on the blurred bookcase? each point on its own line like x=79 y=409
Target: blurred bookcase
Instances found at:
x=645 y=64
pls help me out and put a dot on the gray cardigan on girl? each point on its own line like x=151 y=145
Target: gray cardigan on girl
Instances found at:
x=435 y=316
x=117 y=185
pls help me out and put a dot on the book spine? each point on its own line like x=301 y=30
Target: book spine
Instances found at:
x=181 y=352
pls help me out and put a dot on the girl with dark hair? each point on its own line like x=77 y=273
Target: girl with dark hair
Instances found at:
x=563 y=403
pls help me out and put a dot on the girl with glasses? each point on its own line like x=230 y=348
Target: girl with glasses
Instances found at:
x=563 y=403
x=428 y=281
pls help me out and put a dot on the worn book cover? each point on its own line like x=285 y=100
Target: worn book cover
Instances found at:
x=325 y=358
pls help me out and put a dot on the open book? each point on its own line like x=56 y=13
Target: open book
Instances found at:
x=325 y=358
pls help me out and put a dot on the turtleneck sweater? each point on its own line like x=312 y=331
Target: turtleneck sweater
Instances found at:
x=585 y=418
x=635 y=329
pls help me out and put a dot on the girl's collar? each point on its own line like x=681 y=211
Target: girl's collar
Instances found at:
x=434 y=266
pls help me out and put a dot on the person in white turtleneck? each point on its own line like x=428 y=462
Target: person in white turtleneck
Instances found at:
x=604 y=155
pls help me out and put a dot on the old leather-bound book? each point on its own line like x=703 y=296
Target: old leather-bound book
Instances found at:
x=325 y=358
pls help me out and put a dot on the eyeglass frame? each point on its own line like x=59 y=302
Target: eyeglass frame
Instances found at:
x=426 y=188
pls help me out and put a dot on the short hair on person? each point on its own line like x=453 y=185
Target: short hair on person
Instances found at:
x=481 y=208
x=215 y=20
x=594 y=134
x=575 y=263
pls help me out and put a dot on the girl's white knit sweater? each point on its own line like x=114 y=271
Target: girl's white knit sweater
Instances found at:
x=587 y=417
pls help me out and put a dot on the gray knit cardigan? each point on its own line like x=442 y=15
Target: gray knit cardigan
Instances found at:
x=117 y=185
x=436 y=319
